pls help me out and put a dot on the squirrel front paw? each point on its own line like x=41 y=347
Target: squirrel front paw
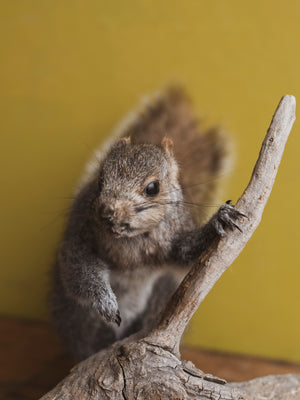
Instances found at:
x=107 y=307
x=226 y=216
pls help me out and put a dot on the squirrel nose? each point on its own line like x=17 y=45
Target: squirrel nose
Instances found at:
x=115 y=214
x=109 y=213
x=114 y=218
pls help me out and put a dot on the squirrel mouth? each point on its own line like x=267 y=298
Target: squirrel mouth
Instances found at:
x=122 y=230
x=119 y=232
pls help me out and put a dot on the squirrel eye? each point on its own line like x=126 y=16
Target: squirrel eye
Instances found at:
x=152 y=189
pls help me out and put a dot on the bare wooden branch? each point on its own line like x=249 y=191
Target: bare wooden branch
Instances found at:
x=273 y=387
x=149 y=367
x=211 y=265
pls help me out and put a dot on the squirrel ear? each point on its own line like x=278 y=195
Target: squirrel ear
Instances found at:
x=168 y=145
x=125 y=140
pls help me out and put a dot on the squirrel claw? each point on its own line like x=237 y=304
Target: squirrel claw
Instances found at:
x=236 y=226
x=226 y=217
x=118 y=318
x=243 y=215
x=238 y=213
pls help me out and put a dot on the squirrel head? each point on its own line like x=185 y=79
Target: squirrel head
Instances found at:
x=138 y=187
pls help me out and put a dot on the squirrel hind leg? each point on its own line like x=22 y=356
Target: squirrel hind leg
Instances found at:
x=85 y=334
x=81 y=330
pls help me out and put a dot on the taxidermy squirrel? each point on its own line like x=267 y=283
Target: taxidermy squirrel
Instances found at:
x=132 y=229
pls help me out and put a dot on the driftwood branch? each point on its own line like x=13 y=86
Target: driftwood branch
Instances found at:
x=148 y=366
x=211 y=265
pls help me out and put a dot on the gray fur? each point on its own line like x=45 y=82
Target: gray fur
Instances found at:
x=124 y=253
x=122 y=249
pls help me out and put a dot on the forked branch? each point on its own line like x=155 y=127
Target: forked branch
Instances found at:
x=149 y=366
x=212 y=263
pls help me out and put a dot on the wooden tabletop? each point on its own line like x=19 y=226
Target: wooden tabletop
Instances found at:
x=32 y=361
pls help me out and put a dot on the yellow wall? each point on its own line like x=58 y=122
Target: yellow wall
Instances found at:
x=69 y=72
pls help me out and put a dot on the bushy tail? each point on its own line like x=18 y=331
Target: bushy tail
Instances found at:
x=202 y=155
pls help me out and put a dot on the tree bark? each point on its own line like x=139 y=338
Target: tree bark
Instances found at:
x=148 y=366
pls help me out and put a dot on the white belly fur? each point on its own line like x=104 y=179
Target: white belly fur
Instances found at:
x=133 y=289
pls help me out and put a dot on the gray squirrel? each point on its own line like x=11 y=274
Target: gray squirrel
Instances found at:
x=132 y=229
